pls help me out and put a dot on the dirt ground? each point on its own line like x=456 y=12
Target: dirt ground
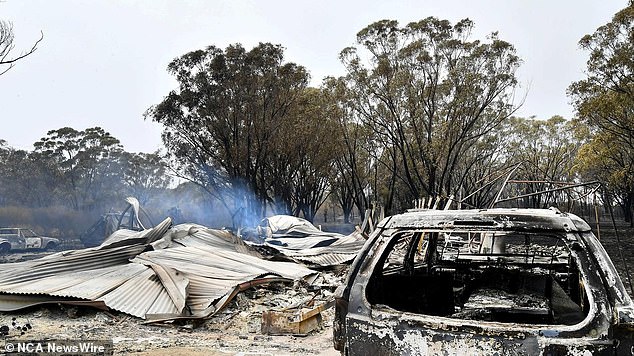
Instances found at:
x=235 y=330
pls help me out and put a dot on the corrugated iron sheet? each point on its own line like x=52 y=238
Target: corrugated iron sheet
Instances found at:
x=128 y=237
x=194 y=235
x=13 y=302
x=161 y=273
x=102 y=283
x=301 y=241
x=325 y=256
x=139 y=294
x=214 y=273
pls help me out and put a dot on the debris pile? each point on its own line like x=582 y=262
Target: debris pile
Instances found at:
x=301 y=241
x=165 y=273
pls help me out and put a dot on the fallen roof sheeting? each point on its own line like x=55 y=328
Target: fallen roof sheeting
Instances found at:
x=159 y=274
x=212 y=272
x=324 y=256
x=193 y=235
x=299 y=240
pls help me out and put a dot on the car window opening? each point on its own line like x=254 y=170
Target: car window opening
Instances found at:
x=481 y=275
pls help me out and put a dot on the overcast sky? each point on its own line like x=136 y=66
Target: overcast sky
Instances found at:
x=103 y=63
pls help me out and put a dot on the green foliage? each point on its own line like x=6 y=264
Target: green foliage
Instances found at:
x=545 y=151
x=351 y=178
x=72 y=177
x=243 y=125
x=84 y=166
x=144 y=175
x=23 y=179
x=304 y=155
x=430 y=95
x=605 y=101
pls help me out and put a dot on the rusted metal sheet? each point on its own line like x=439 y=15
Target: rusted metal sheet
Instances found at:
x=294 y=321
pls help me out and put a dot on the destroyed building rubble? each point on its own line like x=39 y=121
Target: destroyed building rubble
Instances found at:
x=301 y=241
x=164 y=273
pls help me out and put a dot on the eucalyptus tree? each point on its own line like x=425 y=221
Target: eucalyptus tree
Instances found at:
x=545 y=152
x=351 y=178
x=430 y=94
x=605 y=101
x=611 y=164
x=483 y=169
x=145 y=175
x=23 y=179
x=313 y=137
x=302 y=156
x=220 y=122
x=84 y=166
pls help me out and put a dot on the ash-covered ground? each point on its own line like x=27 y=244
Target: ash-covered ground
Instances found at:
x=236 y=330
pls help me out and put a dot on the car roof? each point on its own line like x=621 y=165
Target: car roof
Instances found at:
x=489 y=219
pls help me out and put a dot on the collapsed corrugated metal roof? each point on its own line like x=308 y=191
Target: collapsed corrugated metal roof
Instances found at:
x=161 y=273
x=324 y=256
x=300 y=240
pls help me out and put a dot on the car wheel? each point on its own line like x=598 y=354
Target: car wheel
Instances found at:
x=4 y=248
x=50 y=246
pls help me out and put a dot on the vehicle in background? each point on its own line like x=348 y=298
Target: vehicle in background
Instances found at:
x=20 y=239
x=485 y=282
x=110 y=222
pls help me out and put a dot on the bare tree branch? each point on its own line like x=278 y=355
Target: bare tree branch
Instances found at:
x=6 y=46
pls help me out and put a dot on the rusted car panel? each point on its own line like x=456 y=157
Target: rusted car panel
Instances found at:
x=486 y=282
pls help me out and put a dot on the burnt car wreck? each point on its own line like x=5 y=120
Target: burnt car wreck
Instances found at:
x=498 y=281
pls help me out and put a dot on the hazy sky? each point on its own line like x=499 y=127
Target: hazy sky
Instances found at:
x=103 y=63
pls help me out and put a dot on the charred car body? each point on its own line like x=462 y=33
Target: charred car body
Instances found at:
x=498 y=281
x=24 y=239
